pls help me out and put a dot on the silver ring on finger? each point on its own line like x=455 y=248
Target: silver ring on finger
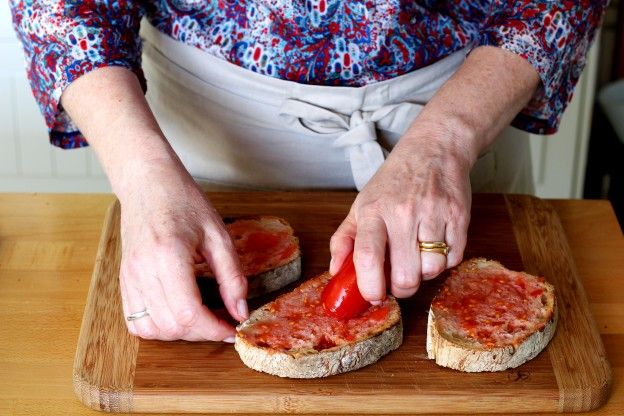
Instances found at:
x=137 y=315
x=439 y=247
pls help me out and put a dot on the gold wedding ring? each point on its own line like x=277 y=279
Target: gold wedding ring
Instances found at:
x=439 y=247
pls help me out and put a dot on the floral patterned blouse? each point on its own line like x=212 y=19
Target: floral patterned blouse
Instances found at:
x=326 y=42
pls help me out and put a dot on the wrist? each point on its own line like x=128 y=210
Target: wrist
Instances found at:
x=447 y=137
x=135 y=170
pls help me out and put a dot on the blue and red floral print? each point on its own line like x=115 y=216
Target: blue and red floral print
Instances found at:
x=326 y=42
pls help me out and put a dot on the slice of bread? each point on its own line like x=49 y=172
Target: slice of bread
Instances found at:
x=268 y=250
x=294 y=337
x=489 y=318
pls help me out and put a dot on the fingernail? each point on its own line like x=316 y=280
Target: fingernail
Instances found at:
x=243 y=311
x=375 y=302
x=229 y=340
x=331 y=264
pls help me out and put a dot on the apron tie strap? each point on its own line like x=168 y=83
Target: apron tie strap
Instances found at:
x=357 y=133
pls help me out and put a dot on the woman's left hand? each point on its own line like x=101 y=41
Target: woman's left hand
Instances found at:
x=421 y=193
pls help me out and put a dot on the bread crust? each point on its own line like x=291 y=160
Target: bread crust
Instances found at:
x=468 y=356
x=274 y=279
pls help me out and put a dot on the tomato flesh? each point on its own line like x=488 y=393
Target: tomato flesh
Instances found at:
x=341 y=297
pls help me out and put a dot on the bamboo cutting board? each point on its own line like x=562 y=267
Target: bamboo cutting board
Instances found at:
x=114 y=371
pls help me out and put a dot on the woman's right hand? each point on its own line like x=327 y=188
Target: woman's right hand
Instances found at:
x=167 y=223
x=167 y=226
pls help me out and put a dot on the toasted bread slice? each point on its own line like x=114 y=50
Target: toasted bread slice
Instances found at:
x=489 y=318
x=294 y=337
x=268 y=251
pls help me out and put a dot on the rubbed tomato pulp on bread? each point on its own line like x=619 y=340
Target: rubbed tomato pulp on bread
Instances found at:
x=491 y=308
x=298 y=322
x=262 y=244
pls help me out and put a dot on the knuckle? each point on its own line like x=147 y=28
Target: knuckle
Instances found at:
x=147 y=332
x=431 y=224
x=335 y=240
x=459 y=211
x=232 y=280
x=405 y=280
x=173 y=331
x=166 y=248
x=404 y=210
x=365 y=257
x=459 y=224
x=212 y=332
x=431 y=268
x=227 y=244
x=219 y=235
x=187 y=316
x=370 y=210
x=129 y=267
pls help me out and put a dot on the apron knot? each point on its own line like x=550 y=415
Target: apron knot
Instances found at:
x=357 y=133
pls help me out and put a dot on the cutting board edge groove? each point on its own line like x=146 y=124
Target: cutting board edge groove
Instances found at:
x=87 y=380
x=572 y=398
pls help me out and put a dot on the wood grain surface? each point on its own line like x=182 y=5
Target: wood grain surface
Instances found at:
x=521 y=232
x=579 y=359
x=104 y=364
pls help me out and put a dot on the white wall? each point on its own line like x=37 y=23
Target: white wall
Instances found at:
x=28 y=163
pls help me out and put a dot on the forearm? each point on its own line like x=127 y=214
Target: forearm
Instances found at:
x=476 y=104
x=110 y=109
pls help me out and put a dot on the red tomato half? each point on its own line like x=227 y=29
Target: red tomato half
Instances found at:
x=341 y=297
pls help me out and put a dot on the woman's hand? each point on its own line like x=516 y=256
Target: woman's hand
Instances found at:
x=167 y=223
x=167 y=226
x=421 y=193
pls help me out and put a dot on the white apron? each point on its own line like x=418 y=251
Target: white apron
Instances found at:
x=233 y=127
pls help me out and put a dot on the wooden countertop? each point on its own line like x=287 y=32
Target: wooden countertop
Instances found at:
x=47 y=250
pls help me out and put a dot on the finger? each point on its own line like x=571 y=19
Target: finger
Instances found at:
x=432 y=228
x=341 y=244
x=220 y=253
x=167 y=302
x=181 y=302
x=144 y=326
x=404 y=258
x=124 y=305
x=456 y=238
x=159 y=311
x=368 y=257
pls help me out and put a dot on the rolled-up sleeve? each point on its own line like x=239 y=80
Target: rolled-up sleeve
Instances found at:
x=65 y=39
x=554 y=37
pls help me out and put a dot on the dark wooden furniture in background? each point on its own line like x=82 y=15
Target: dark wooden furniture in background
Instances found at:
x=618 y=62
x=604 y=174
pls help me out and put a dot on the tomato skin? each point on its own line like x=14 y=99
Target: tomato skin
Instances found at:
x=341 y=297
